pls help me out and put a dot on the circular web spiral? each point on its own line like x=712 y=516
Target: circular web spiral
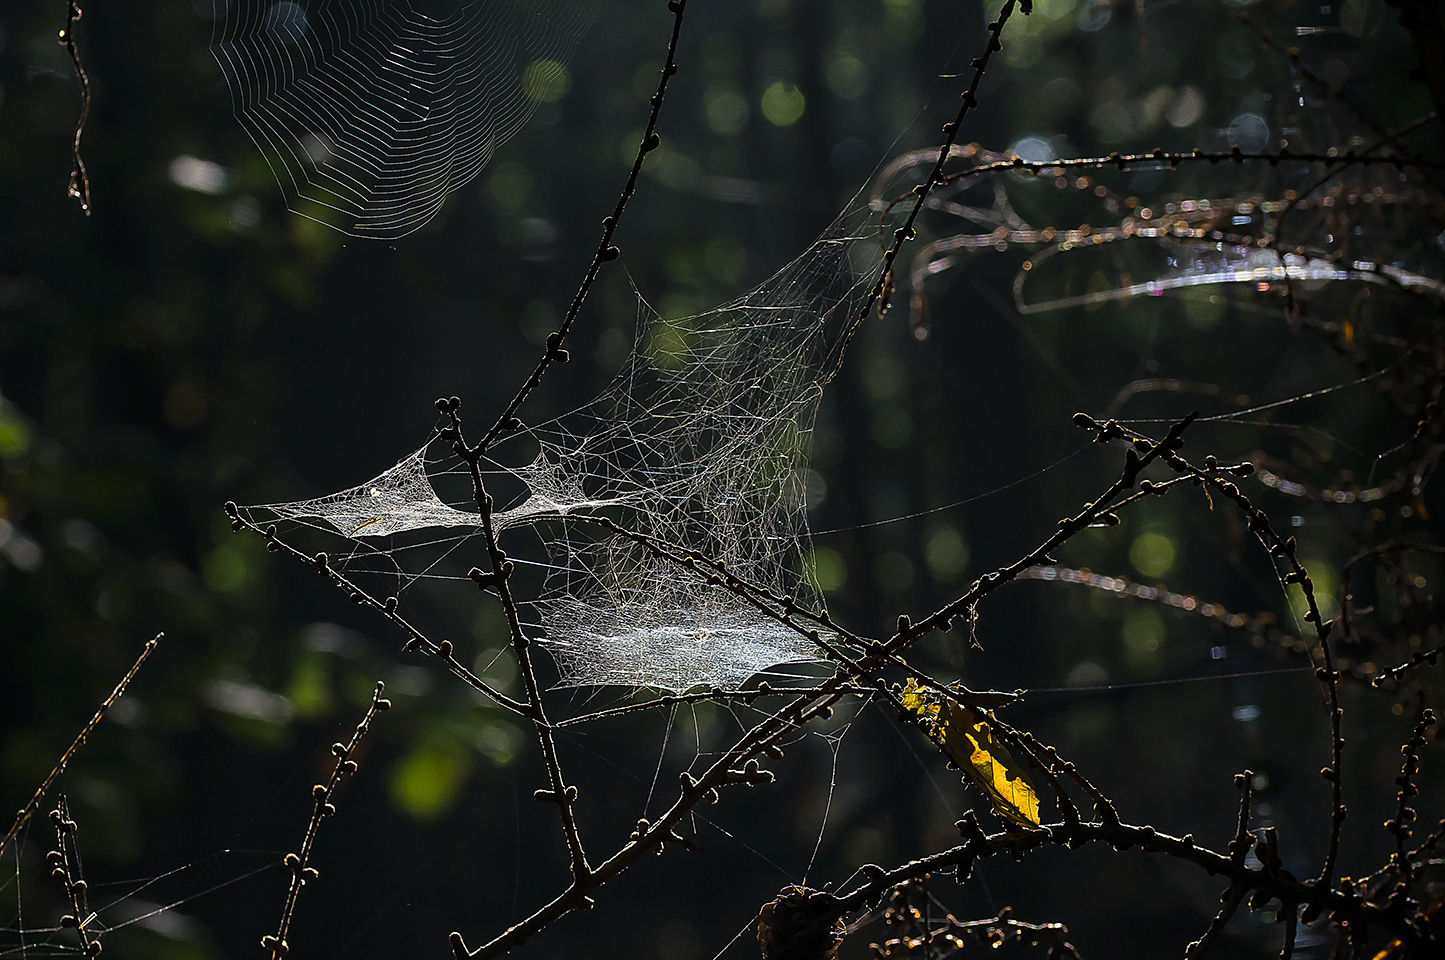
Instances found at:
x=371 y=112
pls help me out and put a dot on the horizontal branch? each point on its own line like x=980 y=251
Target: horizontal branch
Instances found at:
x=1121 y=836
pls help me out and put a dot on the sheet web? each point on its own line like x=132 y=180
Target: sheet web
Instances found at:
x=370 y=112
x=700 y=443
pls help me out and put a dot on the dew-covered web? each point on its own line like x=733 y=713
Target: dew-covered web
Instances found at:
x=699 y=445
x=370 y=112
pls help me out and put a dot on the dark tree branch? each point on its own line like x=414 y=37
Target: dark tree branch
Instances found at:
x=388 y=607
x=79 y=181
x=950 y=136
x=65 y=867
x=606 y=252
x=324 y=795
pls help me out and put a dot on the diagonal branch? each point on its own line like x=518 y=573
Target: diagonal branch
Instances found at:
x=29 y=809
x=323 y=794
x=950 y=136
x=606 y=252
x=416 y=640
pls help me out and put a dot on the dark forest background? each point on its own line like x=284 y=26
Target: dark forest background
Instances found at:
x=181 y=348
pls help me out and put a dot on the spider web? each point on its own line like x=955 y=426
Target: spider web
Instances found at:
x=700 y=444
x=370 y=112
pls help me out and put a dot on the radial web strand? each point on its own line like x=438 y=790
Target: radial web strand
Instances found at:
x=370 y=112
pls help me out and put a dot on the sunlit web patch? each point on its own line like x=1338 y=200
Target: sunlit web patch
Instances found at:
x=400 y=499
x=699 y=446
x=715 y=645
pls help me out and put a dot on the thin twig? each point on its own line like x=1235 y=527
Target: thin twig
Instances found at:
x=29 y=809
x=1416 y=659
x=65 y=867
x=558 y=791
x=1229 y=902
x=388 y=607
x=1143 y=453
x=79 y=181
x=323 y=795
x=950 y=131
x=606 y=252
x=1283 y=549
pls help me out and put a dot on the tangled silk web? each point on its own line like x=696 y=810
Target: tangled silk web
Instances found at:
x=370 y=112
x=701 y=444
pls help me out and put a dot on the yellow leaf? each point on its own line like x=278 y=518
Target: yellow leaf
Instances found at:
x=966 y=736
x=920 y=700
